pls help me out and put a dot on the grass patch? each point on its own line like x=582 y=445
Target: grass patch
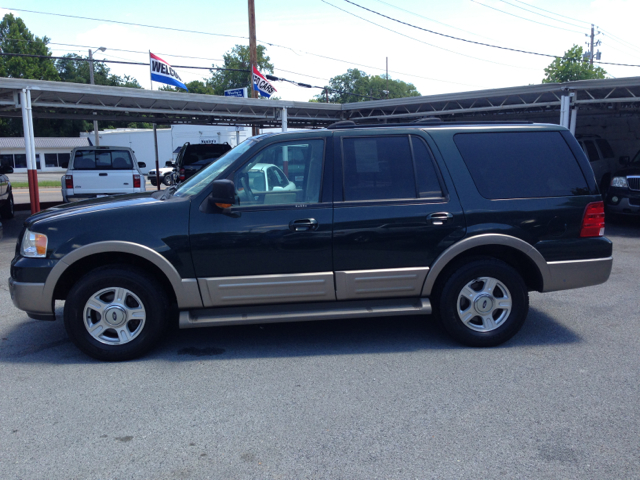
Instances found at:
x=43 y=183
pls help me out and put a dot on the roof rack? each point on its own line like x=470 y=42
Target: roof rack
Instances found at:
x=431 y=122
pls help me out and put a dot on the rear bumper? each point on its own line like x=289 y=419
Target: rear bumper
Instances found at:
x=30 y=297
x=577 y=273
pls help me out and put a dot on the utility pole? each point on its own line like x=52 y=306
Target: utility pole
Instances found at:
x=591 y=50
x=91 y=80
x=253 y=53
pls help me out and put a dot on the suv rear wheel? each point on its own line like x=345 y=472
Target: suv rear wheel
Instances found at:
x=116 y=313
x=482 y=303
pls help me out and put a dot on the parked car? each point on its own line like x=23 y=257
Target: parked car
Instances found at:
x=193 y=157
x=6 y=193
x=100 y=172
x=459 y=219
x=166 y=175
x=623 y=197
x=602 y=159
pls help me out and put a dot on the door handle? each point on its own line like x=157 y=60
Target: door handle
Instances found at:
x=439 y=218
x=103 y=174
x=303 y=225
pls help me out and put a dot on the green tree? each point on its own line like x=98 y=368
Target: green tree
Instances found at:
x=197 y=86
x=357 y=86
x=570 y=67
x=74 y=68
x=15 y=37
x=238 y=59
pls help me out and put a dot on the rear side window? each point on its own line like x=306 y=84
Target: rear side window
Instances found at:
x=378 y=168
x=591 y=151
x=521 y=164
x=605 y=148
x=102 y=160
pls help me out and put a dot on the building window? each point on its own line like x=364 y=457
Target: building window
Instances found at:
x=21 y=160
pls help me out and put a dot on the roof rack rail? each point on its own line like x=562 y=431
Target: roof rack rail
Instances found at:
x=435 y=122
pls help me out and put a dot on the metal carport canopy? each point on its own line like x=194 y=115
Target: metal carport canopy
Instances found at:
x=43 y=99
x=97 y=102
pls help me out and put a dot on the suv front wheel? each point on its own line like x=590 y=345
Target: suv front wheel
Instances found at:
x=482 y=303
x=116 y=313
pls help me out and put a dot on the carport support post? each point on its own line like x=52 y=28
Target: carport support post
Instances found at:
x=574 y=119
x=564 y=110
x=29 y=144
x=155 y=143
x=284 y=119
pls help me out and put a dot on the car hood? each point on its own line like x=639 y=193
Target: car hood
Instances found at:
x=628 y=170
x=93 y=205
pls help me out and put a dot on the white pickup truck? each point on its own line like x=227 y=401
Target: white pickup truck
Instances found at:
x=101 y=171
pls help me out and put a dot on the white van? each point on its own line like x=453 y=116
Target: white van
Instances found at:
x=101 y=171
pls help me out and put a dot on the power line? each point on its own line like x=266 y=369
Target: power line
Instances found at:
x=524 y=18
x=553 y=13
x=433 y=20
x=451 y=36
x=545 y=16
x=423 y=42
x=244 y=38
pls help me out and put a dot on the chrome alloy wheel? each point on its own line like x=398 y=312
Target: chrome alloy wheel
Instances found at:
x=484 y=304
x=114 y=316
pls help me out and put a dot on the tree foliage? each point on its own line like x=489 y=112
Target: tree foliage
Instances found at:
x=238 y=59
x=356 y=86
x=572 y=66
x=15 y=37
x=74 y=68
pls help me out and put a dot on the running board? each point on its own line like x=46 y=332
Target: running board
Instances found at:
x=301 y=312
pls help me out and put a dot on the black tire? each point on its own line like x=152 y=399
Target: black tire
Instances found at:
x=505 y=305
x=7 y=210
x=128 y=327
x=167 y=180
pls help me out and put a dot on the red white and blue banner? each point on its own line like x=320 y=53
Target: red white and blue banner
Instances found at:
x=261 y=84
x=162 y=72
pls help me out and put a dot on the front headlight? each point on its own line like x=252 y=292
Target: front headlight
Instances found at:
x=34 y=245
x=620 y=182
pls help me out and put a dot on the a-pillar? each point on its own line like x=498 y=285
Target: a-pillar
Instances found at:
x=30 y=149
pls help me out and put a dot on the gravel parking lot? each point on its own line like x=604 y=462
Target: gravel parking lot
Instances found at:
x=361 y=399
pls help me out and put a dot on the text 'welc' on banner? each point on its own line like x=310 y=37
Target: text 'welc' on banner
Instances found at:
x=162 y=72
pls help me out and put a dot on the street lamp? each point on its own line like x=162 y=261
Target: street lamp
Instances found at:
x=95 y=122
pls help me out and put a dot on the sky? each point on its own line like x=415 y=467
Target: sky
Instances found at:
x=311 y=41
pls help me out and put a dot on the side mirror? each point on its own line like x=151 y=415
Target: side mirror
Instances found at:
x=624 y=160
x=169 y=163
x=223 y=194
x=6 y=169
x=142 y=165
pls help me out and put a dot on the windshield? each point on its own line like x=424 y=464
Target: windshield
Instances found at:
x=204 y=177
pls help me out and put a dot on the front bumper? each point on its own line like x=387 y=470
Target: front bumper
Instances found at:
x=31 y=298
x=627 y=201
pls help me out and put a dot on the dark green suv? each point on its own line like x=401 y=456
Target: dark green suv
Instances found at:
x=461 y=220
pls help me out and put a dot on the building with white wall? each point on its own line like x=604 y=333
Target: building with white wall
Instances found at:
x=52 y=153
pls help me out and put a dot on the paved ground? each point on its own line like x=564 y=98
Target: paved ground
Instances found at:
x=363 y=399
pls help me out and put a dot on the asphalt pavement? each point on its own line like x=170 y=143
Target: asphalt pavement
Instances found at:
x=390 y=398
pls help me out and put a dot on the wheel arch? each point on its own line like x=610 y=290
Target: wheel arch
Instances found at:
x=517 y=253
x=73 y=266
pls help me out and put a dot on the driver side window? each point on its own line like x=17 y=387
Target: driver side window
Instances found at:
x=282 y=174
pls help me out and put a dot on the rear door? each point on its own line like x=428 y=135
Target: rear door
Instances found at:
x=102 y=172
x=393 y=215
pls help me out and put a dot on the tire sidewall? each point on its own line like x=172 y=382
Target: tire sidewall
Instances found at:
x=447 y=302
x=148 y=291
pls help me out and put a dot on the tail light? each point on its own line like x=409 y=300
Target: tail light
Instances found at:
x=136 y=181
x=182 y=176
x=593 y=220
x=68 y=182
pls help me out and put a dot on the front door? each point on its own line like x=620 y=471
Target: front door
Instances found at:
x=393 y=216
x=274 y=246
